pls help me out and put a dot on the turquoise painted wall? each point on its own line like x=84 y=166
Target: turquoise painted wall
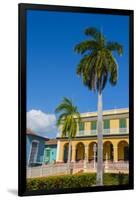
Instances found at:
x=50 y=154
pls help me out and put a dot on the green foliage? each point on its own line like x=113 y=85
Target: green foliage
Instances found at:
x=115 y=179
x=68 y=118
x=98 y=63
x=73 y=181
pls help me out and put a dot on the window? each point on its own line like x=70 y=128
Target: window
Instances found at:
x=93 y=125
x=47 y=155
x=126 y=154
x=107 y=124
x=34 y=151
x=122 y=123
x=81 y=126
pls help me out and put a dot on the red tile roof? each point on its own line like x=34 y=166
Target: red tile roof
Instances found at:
x=51 y=142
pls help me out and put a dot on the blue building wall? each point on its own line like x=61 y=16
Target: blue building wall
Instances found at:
x=50 y=153
x=41 y=146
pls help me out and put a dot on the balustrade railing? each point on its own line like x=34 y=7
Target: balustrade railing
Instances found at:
x=105 y=132
x=63 y=168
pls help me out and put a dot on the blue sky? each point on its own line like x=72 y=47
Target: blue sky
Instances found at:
x=52 y=62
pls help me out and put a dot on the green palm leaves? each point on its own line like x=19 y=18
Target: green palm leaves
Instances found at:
x=98 y=64
x=68 y=118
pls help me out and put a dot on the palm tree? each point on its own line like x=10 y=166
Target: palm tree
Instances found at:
x=68 y=119
x=97 y=66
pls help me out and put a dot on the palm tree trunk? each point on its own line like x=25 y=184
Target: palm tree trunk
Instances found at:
x=99 y=180
x=69 y=155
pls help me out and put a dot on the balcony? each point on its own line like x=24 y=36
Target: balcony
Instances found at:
x=117 y=131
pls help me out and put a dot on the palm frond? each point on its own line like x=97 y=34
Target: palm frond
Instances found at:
x=112 y=68
x=98 y=63
x=61 y=119
x=83 y=66
x=115 y=46
x=64 y=106
x=68 y=117
x=86 y=46
x=95 y=34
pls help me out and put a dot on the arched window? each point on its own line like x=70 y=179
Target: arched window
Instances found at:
x=92 y=151
x=108 y=151
x=123 y=151
x=80 y=151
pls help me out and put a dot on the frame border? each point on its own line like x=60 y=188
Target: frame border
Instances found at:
x=22 y=54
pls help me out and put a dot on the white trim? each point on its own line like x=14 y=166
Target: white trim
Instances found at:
x=36 y=141
x=105 y=112
x=43 y=156
x=58 y=149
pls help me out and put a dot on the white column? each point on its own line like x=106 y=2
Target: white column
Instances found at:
x=86 y=153
x=58 y=149
x=86 y=158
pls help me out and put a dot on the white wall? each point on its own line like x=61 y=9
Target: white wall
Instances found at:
x=9 y=97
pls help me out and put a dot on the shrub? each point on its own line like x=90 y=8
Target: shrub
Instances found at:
x=60 y=182
x=115 y=179
x=73 y=181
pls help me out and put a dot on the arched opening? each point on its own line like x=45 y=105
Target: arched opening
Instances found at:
x=123 y=153
x=92 y=151
x=80 y=151
x=65 y=157
x=108 y=151
x=66 y=150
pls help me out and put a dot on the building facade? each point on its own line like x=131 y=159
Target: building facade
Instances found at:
x=50 y=151
x=84 y=145
x=35 y=146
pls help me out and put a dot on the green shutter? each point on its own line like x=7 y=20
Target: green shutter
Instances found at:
x=107 y=124
x=122 y=123
x=93 y=125
x=81 y=126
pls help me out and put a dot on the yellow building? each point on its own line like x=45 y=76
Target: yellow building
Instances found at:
x=115 y=138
